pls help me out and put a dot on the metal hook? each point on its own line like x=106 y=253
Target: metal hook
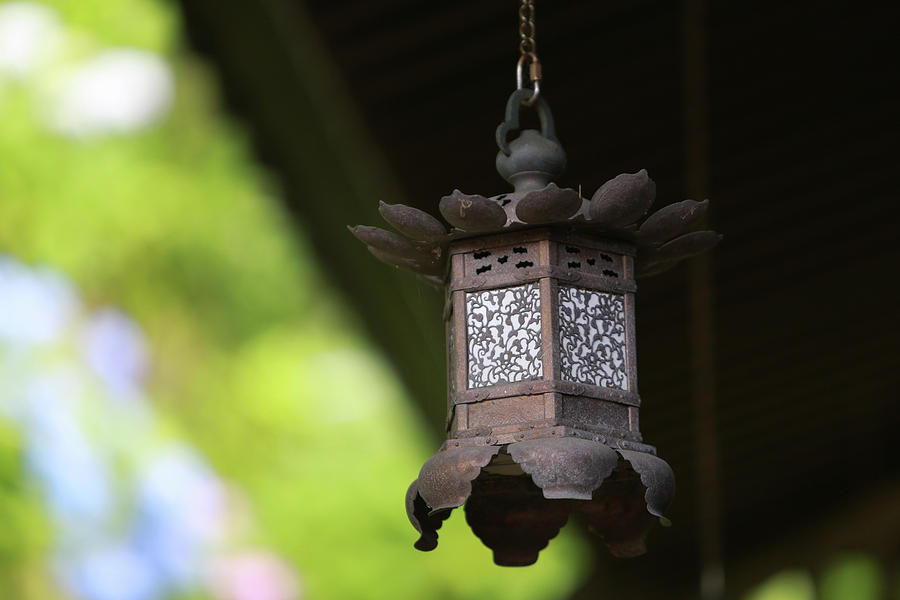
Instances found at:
x=511 y=123
x=534 y=74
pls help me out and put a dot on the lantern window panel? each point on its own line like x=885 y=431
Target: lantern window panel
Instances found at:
x=592 y=337
x=503 y=334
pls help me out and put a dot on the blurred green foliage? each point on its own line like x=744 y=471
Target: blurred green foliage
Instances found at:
x=853 y=577
x=787 y=585
x=25 y=529
x=254 y=358
x=847 y=577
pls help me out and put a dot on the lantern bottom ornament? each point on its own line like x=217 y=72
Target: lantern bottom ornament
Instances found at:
x=518 y=496
x=543 y=403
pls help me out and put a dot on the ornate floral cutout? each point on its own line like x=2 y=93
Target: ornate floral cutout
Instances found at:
x=592 y=337
x=503 y=329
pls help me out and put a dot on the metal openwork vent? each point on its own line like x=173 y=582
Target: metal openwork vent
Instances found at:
x=543 y=401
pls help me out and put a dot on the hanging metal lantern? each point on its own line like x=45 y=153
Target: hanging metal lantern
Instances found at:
x=543 y=401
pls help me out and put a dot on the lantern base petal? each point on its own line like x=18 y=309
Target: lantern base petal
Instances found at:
x=445 y=480
x=423 y=520
x=565 y=468
x=658 y=479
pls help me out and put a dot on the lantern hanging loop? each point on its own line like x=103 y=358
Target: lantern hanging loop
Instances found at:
x=528 y=52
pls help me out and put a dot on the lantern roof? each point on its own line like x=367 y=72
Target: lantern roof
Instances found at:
x=617 y=210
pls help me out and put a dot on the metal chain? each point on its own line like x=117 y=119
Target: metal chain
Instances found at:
x=526 y=27
x=528 y=51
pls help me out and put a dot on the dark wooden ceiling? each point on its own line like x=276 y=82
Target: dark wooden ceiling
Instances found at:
x=803 y=160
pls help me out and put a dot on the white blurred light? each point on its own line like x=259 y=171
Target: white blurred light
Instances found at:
x=29 y=34
x=117 y=91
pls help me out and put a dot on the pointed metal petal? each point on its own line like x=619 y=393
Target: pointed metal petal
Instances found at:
x=475 y=214
x=565 y=468
x=445 y=480
x=685 y=246
x=548 y=205
x=658 y=479
x=389 y=242
x=513 y=519
x=648 y=268
x=671 y=221
x=425 y=267
x=413 y=223
x=623 y=199
x=426 y=524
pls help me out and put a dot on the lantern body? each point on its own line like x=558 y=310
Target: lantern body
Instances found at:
x=541 y=339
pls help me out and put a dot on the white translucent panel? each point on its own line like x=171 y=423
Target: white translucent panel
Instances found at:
x=592 y=338
x=503 y=333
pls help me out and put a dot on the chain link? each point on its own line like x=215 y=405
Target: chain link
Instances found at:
x=528 y=50
x=526 y=27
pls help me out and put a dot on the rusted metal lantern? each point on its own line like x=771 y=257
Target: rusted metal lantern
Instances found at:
x=540 y=319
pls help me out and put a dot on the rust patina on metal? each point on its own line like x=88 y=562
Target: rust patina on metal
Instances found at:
x=543 y=403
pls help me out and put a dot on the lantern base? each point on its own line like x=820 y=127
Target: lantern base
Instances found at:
x=518 y=494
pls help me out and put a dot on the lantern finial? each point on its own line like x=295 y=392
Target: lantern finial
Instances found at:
x=534 y=158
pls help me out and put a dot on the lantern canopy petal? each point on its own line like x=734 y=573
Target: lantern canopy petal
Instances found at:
x=412 y=222
x=685 y=246
x=671 y=221
x=472 y=213
x=548 y=205
x=649 y=267
x=445 y=480
x=388 y=241
x=623 y=199
x=565 y=468
x=418 y=265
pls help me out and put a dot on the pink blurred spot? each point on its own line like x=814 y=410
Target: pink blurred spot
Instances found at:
x=255 y=575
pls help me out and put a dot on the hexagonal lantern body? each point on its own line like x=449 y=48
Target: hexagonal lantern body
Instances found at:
x=541 y=338
x=543 y=400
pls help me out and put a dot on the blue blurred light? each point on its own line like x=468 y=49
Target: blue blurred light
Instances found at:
x=37 y=304
x=181 y=510
x=114 y=347
x=72 y=472
x=114 y=572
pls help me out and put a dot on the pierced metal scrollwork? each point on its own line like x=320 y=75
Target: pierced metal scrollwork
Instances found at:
x=503 y=329
x=592 y=337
